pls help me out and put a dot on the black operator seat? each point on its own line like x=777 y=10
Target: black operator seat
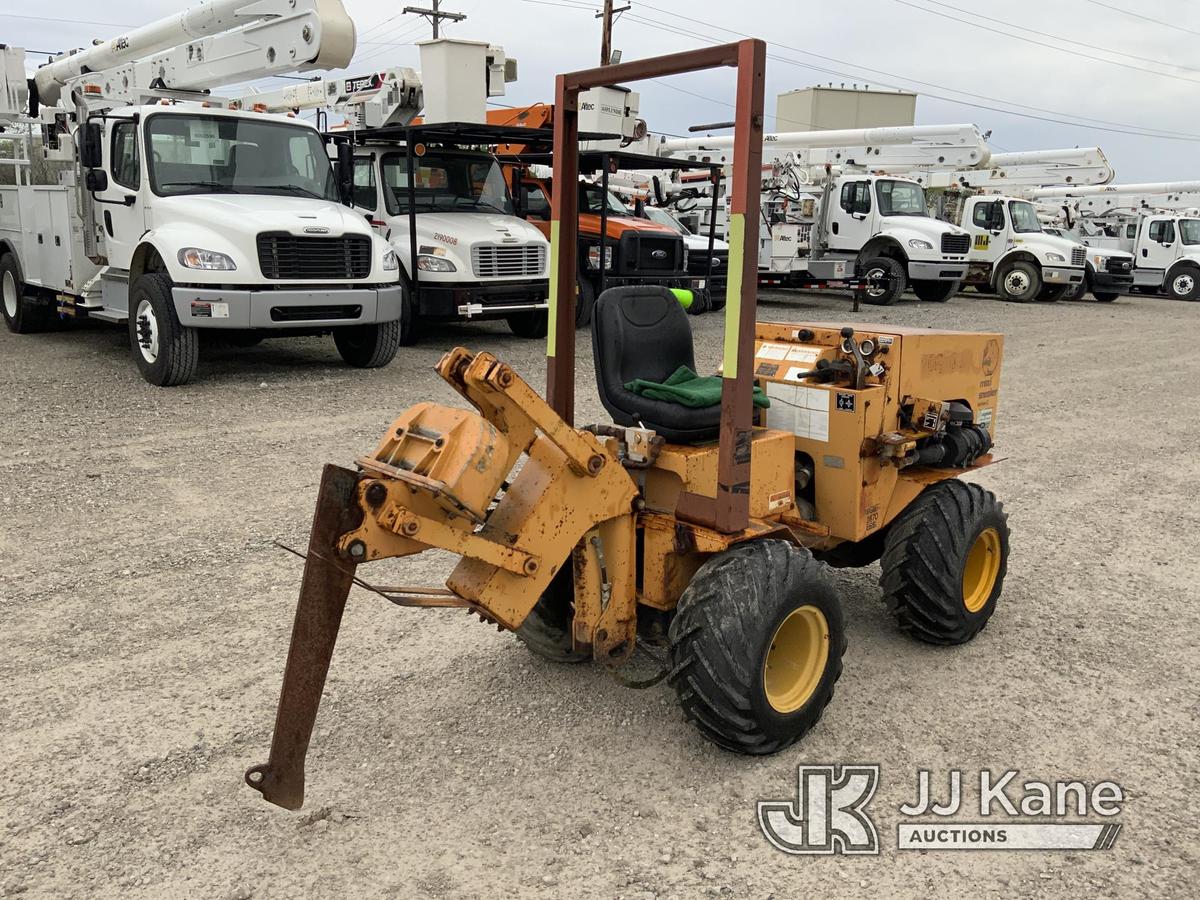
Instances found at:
x=643 y=332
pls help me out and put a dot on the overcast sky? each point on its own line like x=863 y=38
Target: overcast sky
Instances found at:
x=938 y=49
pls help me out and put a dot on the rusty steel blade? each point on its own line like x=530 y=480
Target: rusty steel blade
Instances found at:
x=323 y=592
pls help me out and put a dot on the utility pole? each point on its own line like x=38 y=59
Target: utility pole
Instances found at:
x=435 y=15
x=606 y=35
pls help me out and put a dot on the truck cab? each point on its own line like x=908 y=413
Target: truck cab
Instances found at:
x=637 y=251
x=1012 y=256
x=1167 y=255
x=474 y=257
x=1108 y=271
x=709 y=273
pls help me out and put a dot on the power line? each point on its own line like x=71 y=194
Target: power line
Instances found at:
x=1017 y=37
x=1140 y=16
x=60 y=21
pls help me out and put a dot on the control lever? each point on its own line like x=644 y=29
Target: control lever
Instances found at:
x=850 y=345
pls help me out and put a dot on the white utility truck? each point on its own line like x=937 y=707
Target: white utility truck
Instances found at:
x=475 y=258
x=171 y=214
x=828 y=210
x=1159 y=223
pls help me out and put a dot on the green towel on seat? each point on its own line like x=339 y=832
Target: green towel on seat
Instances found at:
x=687 y=388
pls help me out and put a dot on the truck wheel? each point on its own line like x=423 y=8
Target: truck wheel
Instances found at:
x=1019 y=282
x=756 y=646
x=1077 y=291
x=585 y=301
x=884 y=267
x=699 y=303
x=368 y=346
x=533 y=324
x=166 y=352
x=944 y=562
x=1184 y=284
x=936 y=291
x=20 y=315
x=1105 y=296
x=1052 y=293
x=546 y=631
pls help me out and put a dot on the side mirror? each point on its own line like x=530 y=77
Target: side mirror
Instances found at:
x=345 y=173
x=96 y=180
x=639 y=208
x=91 y=145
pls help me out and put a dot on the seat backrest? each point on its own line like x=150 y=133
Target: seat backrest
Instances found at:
x=640 y=331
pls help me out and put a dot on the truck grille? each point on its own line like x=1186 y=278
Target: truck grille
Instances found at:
x=657 y=254
x=956 y=244
x=314 y=313
x=498 y=261
x=698 y=262
x=286 y=256
x=1118 y=265
x=1078 y=256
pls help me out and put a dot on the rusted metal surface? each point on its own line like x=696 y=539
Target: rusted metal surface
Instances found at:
x=323 y=593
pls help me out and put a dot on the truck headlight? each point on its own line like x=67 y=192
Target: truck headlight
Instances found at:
x=918 y=244
x=195 y=258
x=1055 y=257
x=435 y=264
x=593 y=256
x=390 y=262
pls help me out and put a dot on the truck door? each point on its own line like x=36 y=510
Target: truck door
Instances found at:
x=987 y=224
x=850 y=221
x=366 y=194
x=120 y=208
x=1158 y=245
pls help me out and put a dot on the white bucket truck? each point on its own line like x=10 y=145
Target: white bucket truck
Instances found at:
x=171 y=214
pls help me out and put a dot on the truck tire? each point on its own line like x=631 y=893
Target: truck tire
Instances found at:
x=368 y=346
x=20 y=314
x=1019 y=282
x=936 y=291
x=585 y=301
x=1104 y=296
x=883 y=266
x=1184 y=283
x=756 y=646
x=944 y=562
x=1078 y=291
x=546 y=631
x=166 y=351
x=410 y=328
x=1052 y=293
x=534 y=324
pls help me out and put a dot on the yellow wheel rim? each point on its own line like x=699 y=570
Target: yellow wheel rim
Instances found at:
x=981 y=570
x=796 y=659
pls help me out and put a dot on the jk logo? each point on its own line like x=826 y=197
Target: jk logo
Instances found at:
x=828 y=814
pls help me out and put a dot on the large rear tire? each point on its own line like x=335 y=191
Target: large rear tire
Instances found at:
x=889 y=293
x=936 y=291
x=756 y=646
x=368 y=346
x=944 y=562
x=166 y=351
x=21 y=315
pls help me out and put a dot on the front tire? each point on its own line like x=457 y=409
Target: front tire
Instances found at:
x=756 y=646
x=368 y=346
x=936 y=291
x=166 y=351
x=1105 y=296
x=585 y=301
x=546 y=630
x=1052 y=293
x=1019 y=282
x=1184 y=284
x=531 y=325
x=944 y=562
x=20 y=314
x=881 y=267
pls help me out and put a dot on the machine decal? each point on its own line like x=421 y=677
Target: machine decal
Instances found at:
x=982 y=241
x=845 y=402
x=803 y=411
x=781 y=500
x=985 y=417
x=991 y=357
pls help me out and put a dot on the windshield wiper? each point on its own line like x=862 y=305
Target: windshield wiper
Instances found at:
x=199 y=187
x=286 y=188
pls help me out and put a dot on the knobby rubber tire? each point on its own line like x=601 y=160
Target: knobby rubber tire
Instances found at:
x=722 y=631
x=178 y=345
x=924 y=557
x=546 y=630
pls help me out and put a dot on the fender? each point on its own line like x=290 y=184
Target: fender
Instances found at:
x=1012 y=256
x=881 y=245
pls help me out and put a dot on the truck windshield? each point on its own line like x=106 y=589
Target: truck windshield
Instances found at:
x=446 y=182
x=664 y=218
x=900 y=198
x=1024 y=217
x=590 y=201
x=197 y=154
x=1189 y=230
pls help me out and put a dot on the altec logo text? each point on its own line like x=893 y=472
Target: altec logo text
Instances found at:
x=829 y=813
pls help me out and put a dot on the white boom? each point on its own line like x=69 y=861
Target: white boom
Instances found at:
x=1026 y=171
x=1122 y=199
x=386 y=97
x=215 y=42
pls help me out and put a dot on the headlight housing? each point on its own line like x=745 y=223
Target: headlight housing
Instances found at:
x=918 y=244
x=196 y=258
x=1055 y=257
x=435 y=264
x=390 y=262
x=593 y=257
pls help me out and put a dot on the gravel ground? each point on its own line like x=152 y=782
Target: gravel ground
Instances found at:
x=146 y=614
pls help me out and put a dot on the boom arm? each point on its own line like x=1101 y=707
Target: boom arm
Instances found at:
x=387 y=97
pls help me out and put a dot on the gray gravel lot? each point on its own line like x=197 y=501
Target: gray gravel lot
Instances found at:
x=145 y=616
